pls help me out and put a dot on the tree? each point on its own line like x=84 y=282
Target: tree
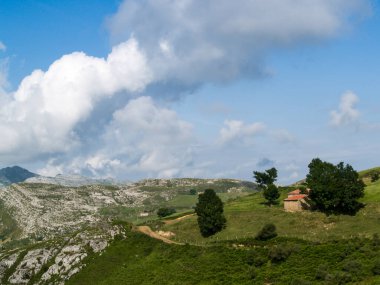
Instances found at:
x=335 y=189
x=164 y=212
x=263 y=179
x=271 y=194
x=266 y=180
x=210 y=213
x=193 y=191
x=375 y=176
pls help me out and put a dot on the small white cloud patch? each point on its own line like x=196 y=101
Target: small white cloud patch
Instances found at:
x=347 y=113
x=239 y=132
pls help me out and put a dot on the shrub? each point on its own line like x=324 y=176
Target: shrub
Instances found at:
x=376 y=240
x=164 y=212
x=267 y=232
x=321 y=272
x=352 y=266
x=279 y=253
x=376 y=268
x=256 y=259
x=375 y=176
x=252 y=272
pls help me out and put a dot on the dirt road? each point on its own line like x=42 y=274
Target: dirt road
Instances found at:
x=148 y=231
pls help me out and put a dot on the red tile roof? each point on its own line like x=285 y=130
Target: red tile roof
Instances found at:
x=296 y=197
x=295 y=192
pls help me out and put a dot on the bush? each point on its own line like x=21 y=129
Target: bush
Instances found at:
x=376 y=268
x=376 y=240
x=256 y=259
x=321 y=272
x=375 y=176
x=164 y=212
x=352 y=266
x=267 y=232
x=193 y=192
x=252 y=272
x=279 y=253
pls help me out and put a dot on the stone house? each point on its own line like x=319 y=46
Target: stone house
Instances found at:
x=296 y=201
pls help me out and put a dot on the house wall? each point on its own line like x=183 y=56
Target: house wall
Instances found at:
x=292 y=206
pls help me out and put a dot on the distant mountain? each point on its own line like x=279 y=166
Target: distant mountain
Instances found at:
x=15 y=174
x=70 y=180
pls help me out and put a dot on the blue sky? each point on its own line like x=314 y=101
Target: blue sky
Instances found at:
x=136 y=89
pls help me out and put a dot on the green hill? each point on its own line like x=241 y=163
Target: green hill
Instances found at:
x=311 y=249
x=368 y=172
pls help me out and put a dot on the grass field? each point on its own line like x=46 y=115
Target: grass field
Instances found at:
x=311 y=248
x=139 y=259
x=246 y=216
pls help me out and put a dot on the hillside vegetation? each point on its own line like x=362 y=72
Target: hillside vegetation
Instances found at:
x=96 y=239
x=139 y=259
x=247 y=215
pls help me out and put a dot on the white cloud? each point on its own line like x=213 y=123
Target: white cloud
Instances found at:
x=142 y=139
x=347 y=113
x=196 y=41
x=2 y=46
x=239 y=132
x=42 y=115
x=157 y=140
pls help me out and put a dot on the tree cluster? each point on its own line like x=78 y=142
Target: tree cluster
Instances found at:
x=164 y=212
x=335 y=189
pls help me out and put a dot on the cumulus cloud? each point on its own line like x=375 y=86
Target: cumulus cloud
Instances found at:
x=2 y=46
x=183 y=44
x=142 y=138
x=196 y=41
x=347 y=113
x=41 y=115
x=235 y=131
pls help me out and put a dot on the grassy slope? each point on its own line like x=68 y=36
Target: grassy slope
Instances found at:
x=141 y=260
x=247 y=215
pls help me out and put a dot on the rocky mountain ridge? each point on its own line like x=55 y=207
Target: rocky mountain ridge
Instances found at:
x=50 y=225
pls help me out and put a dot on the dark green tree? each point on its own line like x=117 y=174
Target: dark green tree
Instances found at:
x=193 y=192
x=164 y=212
x=271 y=194
x=263 y=179
x=335 y=189
x=210 y=213
x=266 y=180
x=375 y=176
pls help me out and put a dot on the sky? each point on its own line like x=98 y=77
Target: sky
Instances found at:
x=139 y=89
